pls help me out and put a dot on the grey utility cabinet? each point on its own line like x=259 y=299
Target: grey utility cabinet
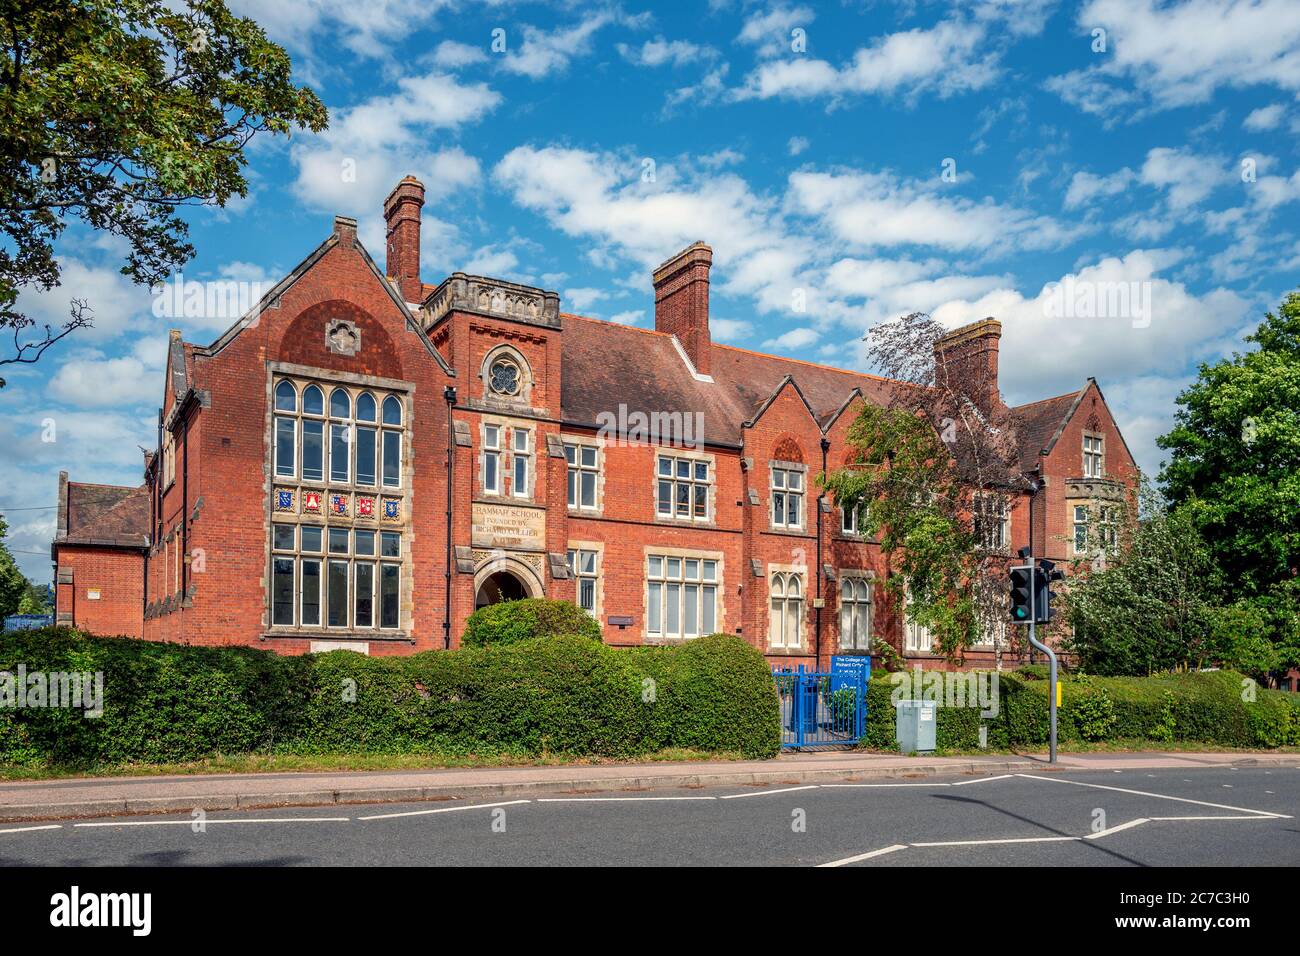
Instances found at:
x=915 y=725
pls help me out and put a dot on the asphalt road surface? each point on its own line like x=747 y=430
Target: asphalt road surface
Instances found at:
x=1243 y=817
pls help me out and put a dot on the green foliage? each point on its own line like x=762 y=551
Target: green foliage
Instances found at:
x=1209 y=708
x=36 y=599
x=13 y=586
x=512 y=621
x=1150 y=609
x=564 y=695
x=117 y=113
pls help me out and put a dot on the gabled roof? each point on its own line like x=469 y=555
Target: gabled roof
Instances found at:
x=107 y=515
x=1039 y=424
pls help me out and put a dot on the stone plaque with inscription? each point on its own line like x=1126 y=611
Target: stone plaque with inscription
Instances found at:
x=508 y=526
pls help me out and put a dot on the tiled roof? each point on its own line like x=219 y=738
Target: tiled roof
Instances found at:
x=607 y=364
x=1038 y=422
x=107 y=514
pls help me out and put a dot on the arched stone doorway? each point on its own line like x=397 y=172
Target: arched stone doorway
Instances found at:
x=498 y=587
x=505 y=578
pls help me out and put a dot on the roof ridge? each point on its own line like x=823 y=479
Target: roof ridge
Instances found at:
x=1052 y=398
x=98 y=484
x=830 y=368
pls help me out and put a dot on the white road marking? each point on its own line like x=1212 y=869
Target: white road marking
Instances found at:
x=1116 y=829
x=1002 y=776
x=1052 y=839
x=866 y=856
x=421 y=813
x=1158 y=796
x=1214 y=818
x=765 y=793
x=612 y=799
x=824 y=785
x=52 y=826
x=187 y=823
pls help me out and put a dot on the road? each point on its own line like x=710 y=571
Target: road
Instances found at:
x=1218 y=817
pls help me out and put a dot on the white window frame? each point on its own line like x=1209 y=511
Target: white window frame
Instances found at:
x=324 y=557
x=782 y=491
x=857 y=602
x=575 y=472
x=1077 y=525
x=521 y=458
x=851 y=521
x=917 y=637
x=1094 y=455
x=491 y=452
x=690 y=480
x=785 y=591
x=696 y=579
x=581 y=570
x=992 y=512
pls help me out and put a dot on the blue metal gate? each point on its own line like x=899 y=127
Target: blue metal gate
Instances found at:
x=821 y=708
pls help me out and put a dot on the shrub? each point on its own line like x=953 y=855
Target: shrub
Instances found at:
x=562 y=694
x=512 y=621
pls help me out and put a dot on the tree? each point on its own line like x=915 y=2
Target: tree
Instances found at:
x=119 y=113
x=934 y=472
x=1151 y=606
x=12 y=583
x=1235 y=456
x=36 y=599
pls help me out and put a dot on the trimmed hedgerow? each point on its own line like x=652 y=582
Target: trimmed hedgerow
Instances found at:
x=1211 y=708
x=512 y=621
x=564 y=695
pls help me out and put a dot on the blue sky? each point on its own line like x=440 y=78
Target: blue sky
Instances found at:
x=848 y=162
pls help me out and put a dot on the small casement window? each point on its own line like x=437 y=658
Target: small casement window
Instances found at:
x=583 y=565
x=583 y=469
x=491 y=459
x=1092 y=456
x=681 y=596
x=992 y=518
x=1108 y=528
x=855 y=614
x=683 y=488
x=313 y=401
x=851 y=520
x=522 y=462
x=504 y=377
x=784 y=628
x=787 y=498
x=1080 y=529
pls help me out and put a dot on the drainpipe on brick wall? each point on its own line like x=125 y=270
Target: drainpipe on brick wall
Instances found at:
x=185 y=509
x=817 y=636
x=449 y=394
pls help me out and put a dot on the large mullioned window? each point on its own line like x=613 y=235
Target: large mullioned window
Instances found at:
x=351 y=437
x=335 y=577
x=681 y=596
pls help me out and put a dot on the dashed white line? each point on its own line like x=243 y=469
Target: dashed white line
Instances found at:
x=1051 y=839
x=866 y=856
x=766 y=793
x=613 y=799
x=886 y=785
x=421 y=813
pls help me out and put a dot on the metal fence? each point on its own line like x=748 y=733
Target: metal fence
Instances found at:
x=27 y=622
x=821 y=708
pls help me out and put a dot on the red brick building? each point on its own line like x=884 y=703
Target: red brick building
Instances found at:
x=364 y=458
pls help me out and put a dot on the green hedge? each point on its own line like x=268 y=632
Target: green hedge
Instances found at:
x=1198 y=707
x=510 y=622
x=565 y=695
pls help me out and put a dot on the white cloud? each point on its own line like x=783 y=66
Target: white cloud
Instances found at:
x=491 y=261
x=630 y=317
x=583 y=298
x=1187 y=177
x=127 y=381
x=544 y=52
x=452 y=55
x=1085 y=186
x=870 y=210
x=769 y=30
x=729 y=330
x=659 y=51
x=797 y=145
x=794 y=339
x=1264 y=118
x=1180 y=53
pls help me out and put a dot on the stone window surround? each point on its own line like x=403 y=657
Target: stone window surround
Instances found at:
x=772 y=466
x=406 y=392
x=524 y=395
x=506 y=450
x=599 y=548
x=1084 y=454
x=720 y=610
x=857 y=574
x=801 y=570
x=710 y=495
x=587 y=441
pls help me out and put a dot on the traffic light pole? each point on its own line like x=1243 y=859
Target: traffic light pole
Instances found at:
x=1033 y=633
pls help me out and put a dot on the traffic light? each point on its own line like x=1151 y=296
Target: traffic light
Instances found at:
x=1021 y=582
x=1044 y=575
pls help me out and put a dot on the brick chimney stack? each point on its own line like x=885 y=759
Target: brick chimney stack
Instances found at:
x=682 y=301
x=966 y=360
x=402 y=214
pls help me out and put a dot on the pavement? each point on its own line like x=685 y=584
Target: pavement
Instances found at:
x=112 y=796
x=1192 y=814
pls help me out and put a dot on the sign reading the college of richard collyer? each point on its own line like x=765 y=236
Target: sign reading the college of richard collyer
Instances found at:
x=508 y=526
